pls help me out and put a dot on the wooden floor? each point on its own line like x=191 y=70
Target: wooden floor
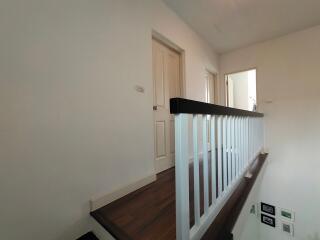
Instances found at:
x=149 y=213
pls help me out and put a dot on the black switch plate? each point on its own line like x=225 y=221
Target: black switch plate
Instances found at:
x=266 y=208
x=271 y=221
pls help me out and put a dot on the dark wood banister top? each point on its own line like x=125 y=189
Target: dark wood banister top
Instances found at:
x=182 y=105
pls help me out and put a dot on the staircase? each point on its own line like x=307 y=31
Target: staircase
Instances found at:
x=211 y=190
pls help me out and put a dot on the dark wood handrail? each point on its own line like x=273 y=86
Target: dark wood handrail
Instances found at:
x=222 y=226
x=182 y=105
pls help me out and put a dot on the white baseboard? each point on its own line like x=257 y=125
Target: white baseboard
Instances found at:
x=99 y=231
x=100 y=201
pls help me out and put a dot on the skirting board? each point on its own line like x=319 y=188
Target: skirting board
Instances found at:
x=99 y=231
x=98 y=202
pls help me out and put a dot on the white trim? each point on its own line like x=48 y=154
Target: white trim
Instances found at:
x=100 y=201
x=99 y=231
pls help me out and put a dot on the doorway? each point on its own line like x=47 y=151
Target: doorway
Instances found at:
x=167 y=83
x=241 y=90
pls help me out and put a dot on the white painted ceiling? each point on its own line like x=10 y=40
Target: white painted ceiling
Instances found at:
x=231 y=24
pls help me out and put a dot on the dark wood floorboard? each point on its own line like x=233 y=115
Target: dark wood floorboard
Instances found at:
x=148 y=213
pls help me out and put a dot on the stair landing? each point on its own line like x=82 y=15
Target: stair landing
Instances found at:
x=148 y=213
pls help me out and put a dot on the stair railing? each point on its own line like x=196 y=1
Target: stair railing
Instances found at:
x=235 y=140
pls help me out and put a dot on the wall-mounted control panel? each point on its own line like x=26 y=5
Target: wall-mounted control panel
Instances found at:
x=279 y=218
x=271 y=221
x=287 y=215
x=267 y=208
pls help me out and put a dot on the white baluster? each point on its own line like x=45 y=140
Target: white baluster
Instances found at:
x=237 y=146
x=196 y=180
x=219 y=147
x=205 y=163
x=260 y=134
x=233 y=148
x=225 y=153
x=229 y=150
x=240 y=145
x=247 y=139
x=213 y=159
x=182 y=177
x=250 y=140
x=255 y=136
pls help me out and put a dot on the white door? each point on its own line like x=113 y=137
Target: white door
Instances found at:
x=167 y=84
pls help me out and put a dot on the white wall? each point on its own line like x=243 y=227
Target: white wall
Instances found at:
x=72 y=126
x=288 y=89
x=247 y=225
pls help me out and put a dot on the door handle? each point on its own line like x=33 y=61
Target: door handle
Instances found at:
x=155 y=108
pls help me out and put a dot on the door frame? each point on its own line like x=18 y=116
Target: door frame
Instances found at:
x=171 y=45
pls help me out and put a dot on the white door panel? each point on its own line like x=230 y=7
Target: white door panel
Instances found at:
x=166 y=77
x=158 y=76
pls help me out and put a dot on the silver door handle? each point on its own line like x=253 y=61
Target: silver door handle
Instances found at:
x=155 y=108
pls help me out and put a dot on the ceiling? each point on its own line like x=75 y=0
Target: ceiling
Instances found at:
x=231 y=24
